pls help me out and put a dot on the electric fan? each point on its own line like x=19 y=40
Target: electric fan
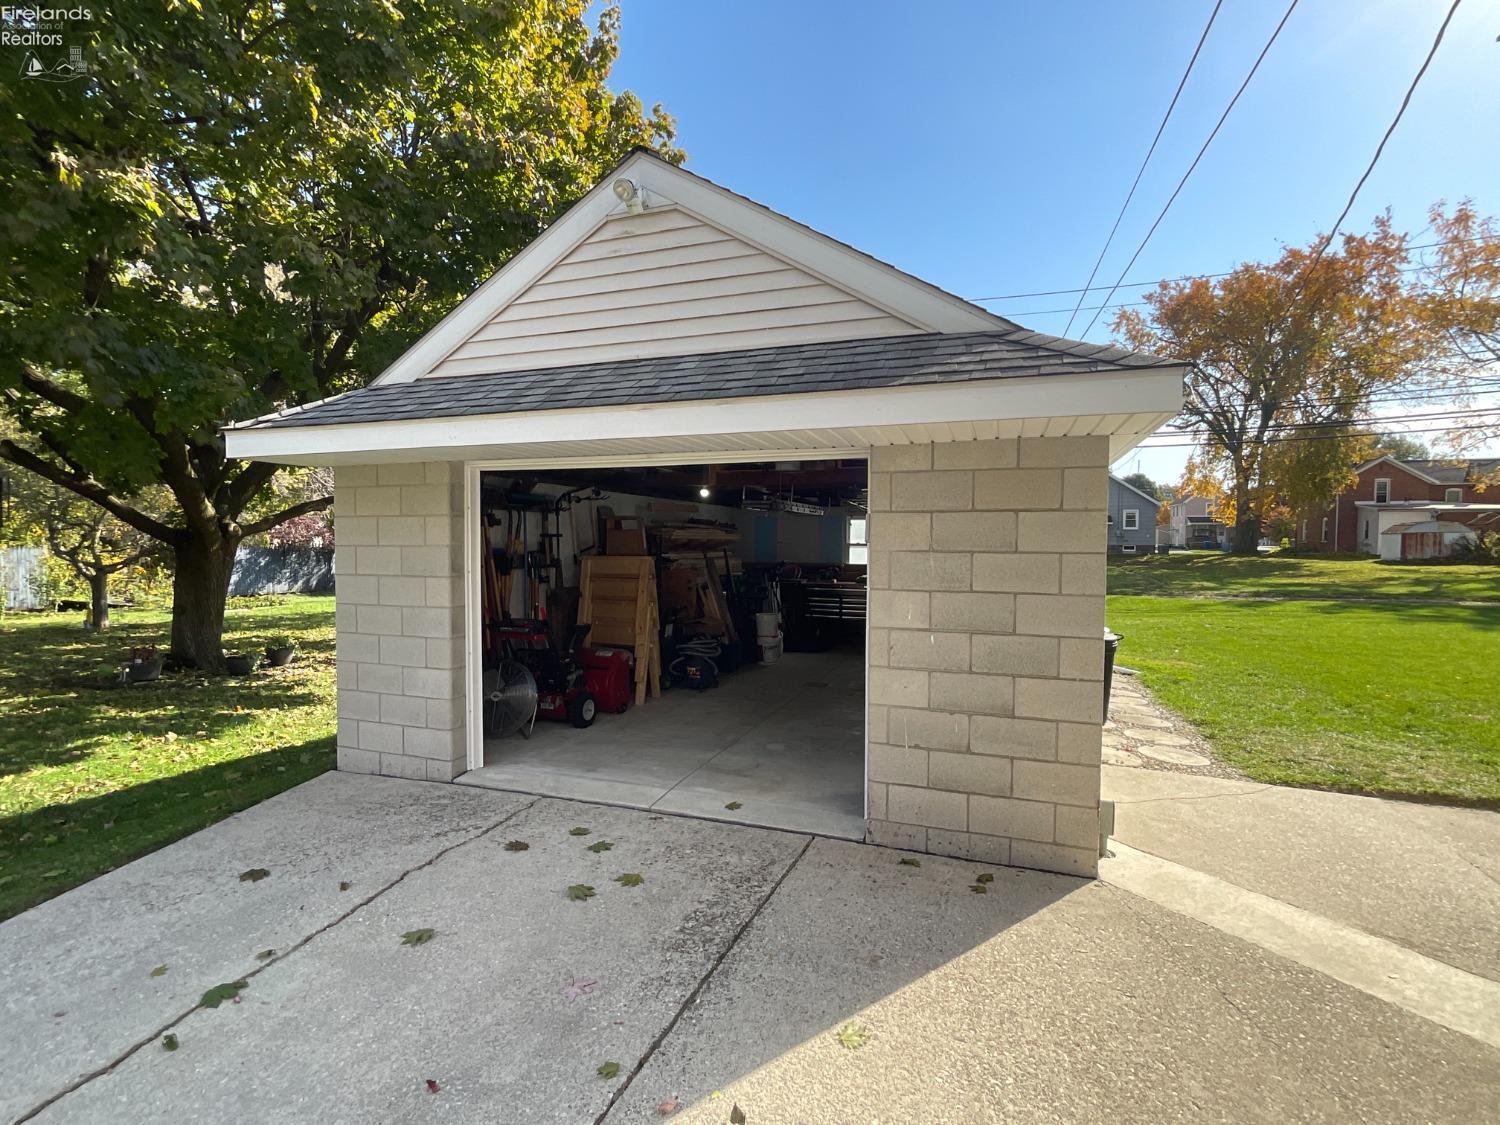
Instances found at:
x=509 y=700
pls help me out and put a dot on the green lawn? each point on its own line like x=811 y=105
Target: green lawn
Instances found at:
x=93 y=775
x=1315 y=576
x=1386 y=699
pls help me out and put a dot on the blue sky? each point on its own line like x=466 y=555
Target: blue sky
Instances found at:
x=987 y=147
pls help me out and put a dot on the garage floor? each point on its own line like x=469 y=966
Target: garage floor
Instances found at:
x=784 y=740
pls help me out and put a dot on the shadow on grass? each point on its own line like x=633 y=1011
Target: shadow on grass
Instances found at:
x=49 y=850
x=63 y=703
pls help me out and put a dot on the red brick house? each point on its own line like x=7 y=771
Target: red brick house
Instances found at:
x=1388 y=491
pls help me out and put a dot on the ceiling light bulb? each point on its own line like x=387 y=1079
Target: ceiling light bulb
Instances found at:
x=704 y=492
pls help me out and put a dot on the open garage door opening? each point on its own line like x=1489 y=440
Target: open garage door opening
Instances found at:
x=686 y=638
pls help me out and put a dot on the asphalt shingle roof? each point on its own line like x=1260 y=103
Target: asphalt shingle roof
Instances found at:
x=1449 y=472
x=891 y=361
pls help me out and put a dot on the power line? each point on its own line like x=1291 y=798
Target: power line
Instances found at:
x=1197 y=430
x=1380 y=148
x=1149 y=444
x=1184 y=277
x=1191 y=167
x=1141 y=171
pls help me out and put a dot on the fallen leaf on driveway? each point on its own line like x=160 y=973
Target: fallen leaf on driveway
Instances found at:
x=609 y=1069
x=579 y=831
x=736 y=1115
x=580 y=891
x=418 y=937
x=265 y=954
x=581 y=986
x=254 y=875
x=222 y=992
x=169 y=1042
x=980 y=889
x=159 y=971
x=601 y=846
x=517 y=846
x=851 y=1036
x=907 y=861
x=668 y=1107
x=432 y=1086
x=345 y=886
x=985 y=878
x=630 y=879
x=734 y=805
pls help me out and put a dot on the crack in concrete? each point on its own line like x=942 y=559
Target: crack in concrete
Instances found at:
x=156 y=1035
x=692 y=997
x=1193 y=797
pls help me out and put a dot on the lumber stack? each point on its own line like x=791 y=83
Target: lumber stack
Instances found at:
x=618 y=602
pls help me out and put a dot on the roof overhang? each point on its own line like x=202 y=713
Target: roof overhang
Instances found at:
x=1125 y=406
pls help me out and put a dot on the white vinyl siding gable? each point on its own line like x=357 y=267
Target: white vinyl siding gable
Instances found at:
x=663 y=283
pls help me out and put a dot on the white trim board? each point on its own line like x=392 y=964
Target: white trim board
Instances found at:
x=922 y=305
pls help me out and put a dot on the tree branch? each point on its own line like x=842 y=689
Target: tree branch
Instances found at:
x=90 y=489
x=318 y=505
x=236 y=493
x=53 y=392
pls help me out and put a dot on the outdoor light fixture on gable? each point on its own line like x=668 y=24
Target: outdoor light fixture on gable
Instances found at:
x=630 y=195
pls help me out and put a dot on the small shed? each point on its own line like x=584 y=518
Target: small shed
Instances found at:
x=1429 y=539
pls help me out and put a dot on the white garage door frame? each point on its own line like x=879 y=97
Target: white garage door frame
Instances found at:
x=473 y=544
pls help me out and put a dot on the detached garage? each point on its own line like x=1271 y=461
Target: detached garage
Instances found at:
x=841 y=533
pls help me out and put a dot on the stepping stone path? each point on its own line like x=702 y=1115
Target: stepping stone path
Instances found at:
x=1143 y=734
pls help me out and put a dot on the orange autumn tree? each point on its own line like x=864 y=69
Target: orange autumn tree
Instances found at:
x=1285 y=358
x=1466 y=279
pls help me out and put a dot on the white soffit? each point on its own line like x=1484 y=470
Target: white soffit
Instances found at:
x=883 y=287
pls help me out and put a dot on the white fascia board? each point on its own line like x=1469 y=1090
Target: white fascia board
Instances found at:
x=1156 y=392
x=533 y=260
x=922 y=305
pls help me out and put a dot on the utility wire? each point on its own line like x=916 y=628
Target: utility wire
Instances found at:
x=1191 y=167
x=1141 y=171
x=1380 y=148
x=1296 y=438
x=1186 y=277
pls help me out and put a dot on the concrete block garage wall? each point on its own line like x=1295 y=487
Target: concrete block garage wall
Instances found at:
x=400 y=619
x=986 y=650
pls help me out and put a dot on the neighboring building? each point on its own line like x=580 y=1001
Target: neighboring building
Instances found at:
x=1132 y=518
x=665 y=323
x=1387 y=492
x=1193 y=528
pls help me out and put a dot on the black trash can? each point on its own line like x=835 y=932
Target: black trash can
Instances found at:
x=1111 y=643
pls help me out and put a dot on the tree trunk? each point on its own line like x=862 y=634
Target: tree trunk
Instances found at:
x=200 y=586
x=99 y=596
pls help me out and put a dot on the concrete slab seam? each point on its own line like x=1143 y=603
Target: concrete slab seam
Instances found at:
x=1196 y=797
x=682 y=815
x=692 y=996
x=1435 y=991
x=156 y=1035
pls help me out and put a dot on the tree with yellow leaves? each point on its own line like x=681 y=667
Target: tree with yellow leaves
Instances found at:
x=1286 y=358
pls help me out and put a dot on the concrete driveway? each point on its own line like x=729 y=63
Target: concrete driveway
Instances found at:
x=721 y=979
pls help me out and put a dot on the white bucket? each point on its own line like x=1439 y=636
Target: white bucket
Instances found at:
x=767 y=627
x=770 y=651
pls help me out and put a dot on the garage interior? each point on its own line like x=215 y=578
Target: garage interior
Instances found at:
x=685 y=638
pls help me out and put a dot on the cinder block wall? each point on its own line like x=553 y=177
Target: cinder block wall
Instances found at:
x=398 y=569
x=986 y=649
